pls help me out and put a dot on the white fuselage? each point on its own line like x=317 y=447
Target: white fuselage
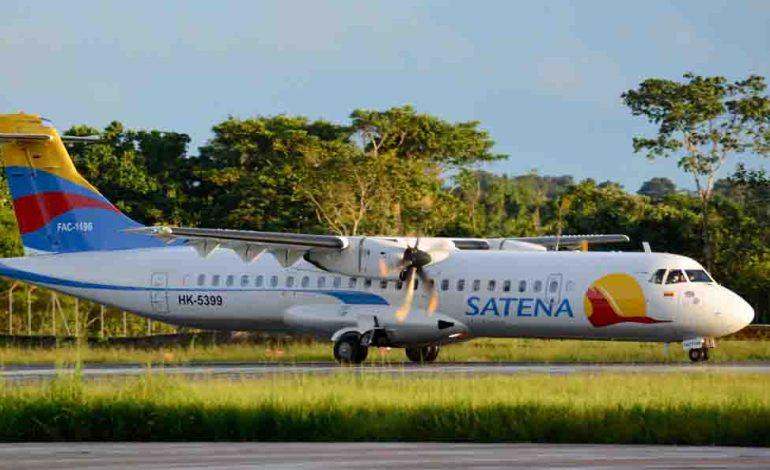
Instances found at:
x=532 y=294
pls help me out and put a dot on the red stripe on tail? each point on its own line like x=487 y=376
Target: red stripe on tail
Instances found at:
x=36 y=210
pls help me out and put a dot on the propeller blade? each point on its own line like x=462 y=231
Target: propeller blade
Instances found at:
x=430 y=288
x=403 y=310
x=385 y=270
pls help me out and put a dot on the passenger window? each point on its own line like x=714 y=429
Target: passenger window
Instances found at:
x=383 y=284
x=522 y=286
x=491 y=286
x=244 y=280
x=337 y=282
x=352 y=283
x=445 y=284
x=553 y=287
x=476 y=285
x=658 y=276
x=506 y=286
x=230 y=280
x=399 y=285
x=215 y=280
x=273 y=281
x=675 y=276
x=537 y=286
x=201 y=279
x=289 y=281
x=367 y=283
x=259 y=281
x=416 y=284
x=460 y=285
x=322 y=282
x=305 y=282
x=698 y=275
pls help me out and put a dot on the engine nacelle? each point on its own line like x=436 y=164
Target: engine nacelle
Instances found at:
x=364 y=255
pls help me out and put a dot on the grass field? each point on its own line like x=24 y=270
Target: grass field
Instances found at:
x=492 y=350
x=696 y=408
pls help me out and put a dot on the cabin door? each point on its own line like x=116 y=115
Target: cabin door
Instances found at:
x=158 y=292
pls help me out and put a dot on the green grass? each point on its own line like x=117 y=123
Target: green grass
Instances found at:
x=489 y=350
x=694 y=408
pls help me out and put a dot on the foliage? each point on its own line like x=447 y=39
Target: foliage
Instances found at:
x=703 y=121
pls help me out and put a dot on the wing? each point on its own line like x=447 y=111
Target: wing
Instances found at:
x=537 y=243
x=67 y=139
x=574 y=241
x=287 y=247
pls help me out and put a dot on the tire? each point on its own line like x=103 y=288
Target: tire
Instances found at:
x=705 y=355
x=432 y=353
x=348 y=349
x=696 y=354
x=422 y=354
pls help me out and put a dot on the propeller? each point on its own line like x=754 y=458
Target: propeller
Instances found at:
x=411 y=267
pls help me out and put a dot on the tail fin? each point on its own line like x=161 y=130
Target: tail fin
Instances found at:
x=57 y=210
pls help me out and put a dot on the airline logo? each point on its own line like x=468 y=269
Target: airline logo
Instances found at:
x=616 y=298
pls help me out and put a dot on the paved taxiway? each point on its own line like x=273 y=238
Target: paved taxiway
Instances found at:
x=312 y=456
x=44 y=372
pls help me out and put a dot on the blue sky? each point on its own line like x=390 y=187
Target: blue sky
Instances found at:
x=543 y=77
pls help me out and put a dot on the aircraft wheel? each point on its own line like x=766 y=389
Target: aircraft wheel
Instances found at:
x=422 y=354
x=698 y=354
x=348 y=349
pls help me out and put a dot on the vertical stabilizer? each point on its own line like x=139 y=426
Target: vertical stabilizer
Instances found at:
x=57 y=210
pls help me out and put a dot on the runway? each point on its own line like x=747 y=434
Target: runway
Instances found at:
x=246 y=370
x=312 y=456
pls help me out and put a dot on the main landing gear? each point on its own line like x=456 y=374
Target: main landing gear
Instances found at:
x=423 y=354
x=350 y=350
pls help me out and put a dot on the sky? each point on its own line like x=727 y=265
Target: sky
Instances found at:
x=543 y=77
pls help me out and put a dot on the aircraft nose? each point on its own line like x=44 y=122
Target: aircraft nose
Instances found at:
x=744 y=312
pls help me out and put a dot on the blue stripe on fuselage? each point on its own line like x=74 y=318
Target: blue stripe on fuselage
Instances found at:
x=347 y=297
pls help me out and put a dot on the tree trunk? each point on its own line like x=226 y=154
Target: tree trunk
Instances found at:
x=706 y=234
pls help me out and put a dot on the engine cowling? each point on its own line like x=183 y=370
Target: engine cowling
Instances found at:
x=364 y=256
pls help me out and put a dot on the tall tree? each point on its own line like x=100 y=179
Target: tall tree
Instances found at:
x=702 y=121
x=389 y=179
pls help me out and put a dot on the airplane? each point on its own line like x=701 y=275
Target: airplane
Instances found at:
x=355 y=291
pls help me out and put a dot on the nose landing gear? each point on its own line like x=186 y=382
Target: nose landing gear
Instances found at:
x=698 y=354
x=698 y=348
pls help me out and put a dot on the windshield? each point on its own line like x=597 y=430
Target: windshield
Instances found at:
x=675 y=276
x=657 y=277
x=698 y=275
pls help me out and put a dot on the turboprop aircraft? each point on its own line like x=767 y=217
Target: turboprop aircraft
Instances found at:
x=356 y=291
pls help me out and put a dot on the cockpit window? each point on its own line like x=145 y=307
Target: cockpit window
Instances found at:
x=698 y=275
x=675 y=276
x=657 y=276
